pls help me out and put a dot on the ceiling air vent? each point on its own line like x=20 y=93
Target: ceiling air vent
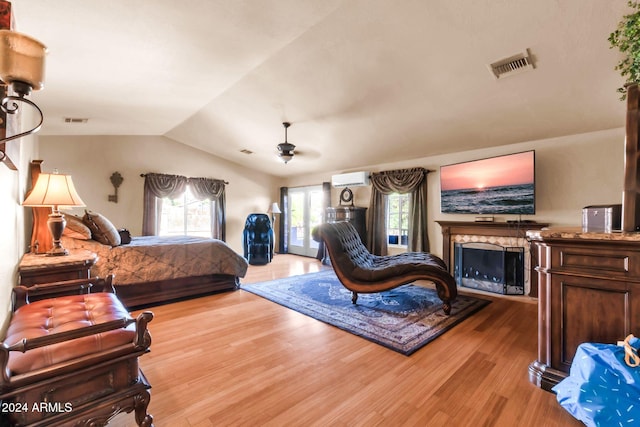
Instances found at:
x=512 y=65
x=245 y=151
x=75 y=120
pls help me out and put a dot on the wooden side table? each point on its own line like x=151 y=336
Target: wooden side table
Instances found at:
x=589 y=292
x=36 y=268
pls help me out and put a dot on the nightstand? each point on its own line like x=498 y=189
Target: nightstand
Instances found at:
x=40 y=268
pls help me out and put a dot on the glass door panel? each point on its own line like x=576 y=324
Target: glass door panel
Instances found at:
x=305 y=212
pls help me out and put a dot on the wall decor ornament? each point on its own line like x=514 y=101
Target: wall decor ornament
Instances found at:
x=116 y=180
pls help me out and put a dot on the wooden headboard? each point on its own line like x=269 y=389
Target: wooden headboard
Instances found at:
x=41 y=240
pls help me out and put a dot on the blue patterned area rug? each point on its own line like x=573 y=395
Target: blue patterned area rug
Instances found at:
x=403 y=319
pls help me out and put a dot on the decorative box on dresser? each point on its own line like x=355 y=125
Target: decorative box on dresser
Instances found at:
x=589 y=292
x=40 y=268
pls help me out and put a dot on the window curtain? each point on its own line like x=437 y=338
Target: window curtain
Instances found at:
x=326 y=202
x=412 y=181
x=158 y=186
x=283 y=236
x=213 y=190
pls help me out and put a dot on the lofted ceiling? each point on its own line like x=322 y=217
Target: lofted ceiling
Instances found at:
x=363 y=82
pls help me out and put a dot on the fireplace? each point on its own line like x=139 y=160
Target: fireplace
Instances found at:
x=506 y=234
x=489 y=267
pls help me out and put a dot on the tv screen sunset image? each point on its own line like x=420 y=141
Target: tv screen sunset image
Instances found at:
x=498 y=185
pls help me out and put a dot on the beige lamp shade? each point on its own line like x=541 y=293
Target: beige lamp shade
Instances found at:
x=53 y=190
x=21 y=59
x=274 y=209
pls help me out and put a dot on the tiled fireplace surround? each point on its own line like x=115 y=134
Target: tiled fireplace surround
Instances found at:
x=499 y=233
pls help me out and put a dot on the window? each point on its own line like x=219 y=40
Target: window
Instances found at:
x=186 y=216
x=398 y=219
x=166 y=211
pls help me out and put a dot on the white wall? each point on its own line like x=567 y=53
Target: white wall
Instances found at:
x=15 y=235
x=92 y=159
x=571 y=172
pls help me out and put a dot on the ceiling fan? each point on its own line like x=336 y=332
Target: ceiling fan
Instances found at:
x=285 y=149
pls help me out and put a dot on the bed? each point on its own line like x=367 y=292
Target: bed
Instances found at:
x=156 y=269
x=148 y=270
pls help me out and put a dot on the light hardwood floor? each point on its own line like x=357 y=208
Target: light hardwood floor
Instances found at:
x=235 y=359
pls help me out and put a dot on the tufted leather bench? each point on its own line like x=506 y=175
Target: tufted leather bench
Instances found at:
x=362 y=272
x=74 y=359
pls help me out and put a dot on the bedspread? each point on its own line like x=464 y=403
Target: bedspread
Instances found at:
x=153 y=258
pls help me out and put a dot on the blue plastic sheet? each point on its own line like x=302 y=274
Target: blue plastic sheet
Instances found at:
x=601 y=389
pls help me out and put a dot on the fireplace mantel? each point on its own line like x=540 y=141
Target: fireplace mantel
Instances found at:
x=499 y=229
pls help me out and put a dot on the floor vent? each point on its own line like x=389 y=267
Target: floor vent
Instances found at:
x=513 y=65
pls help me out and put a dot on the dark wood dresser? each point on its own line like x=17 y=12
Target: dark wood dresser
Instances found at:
x=354 y=214
x=589 y=291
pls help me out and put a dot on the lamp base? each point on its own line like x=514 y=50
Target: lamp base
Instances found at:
x=57 y=251
x=56 y=224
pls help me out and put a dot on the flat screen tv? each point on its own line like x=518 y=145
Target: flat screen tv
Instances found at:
x=497 y=185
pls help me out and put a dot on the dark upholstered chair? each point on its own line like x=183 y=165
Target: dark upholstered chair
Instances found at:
x=362 y=272
x=257 y=239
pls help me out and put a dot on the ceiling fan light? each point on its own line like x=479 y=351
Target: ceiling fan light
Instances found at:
x=285 y=149
x=286 y=157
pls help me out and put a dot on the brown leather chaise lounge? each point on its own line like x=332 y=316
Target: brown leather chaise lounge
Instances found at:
x=362 y=272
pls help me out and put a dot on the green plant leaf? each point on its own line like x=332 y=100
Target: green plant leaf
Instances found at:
x=626 y=38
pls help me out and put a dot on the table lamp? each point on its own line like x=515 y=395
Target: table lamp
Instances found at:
x=54 y=190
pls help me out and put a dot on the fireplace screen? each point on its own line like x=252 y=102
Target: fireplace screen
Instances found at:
x=489 y=267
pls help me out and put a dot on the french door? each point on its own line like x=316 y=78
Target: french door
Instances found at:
x=305 y=212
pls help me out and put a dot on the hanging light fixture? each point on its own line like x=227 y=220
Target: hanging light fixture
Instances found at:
x=286 y=150
x=22 y=68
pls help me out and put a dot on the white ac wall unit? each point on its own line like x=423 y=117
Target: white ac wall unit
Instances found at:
x=352 y=179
